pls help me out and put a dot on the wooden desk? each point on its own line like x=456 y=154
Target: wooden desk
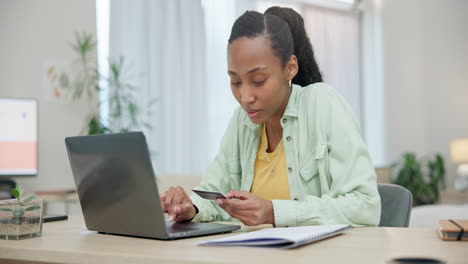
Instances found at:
x=69 y=242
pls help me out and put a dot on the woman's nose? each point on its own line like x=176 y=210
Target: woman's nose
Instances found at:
x=247 y=96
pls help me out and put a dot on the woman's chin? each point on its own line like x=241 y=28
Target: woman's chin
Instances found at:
x=256 y=120
x=257 y=117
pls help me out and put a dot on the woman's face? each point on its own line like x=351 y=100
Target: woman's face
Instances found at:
x=258 y=81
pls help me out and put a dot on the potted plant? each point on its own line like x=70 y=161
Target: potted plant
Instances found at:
x=422 y=178
x=20 y=218
x=127 y=112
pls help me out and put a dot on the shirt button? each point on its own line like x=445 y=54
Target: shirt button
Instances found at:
x=285 y=121
x=295 y=199
x=288 y=138
x=289 y=169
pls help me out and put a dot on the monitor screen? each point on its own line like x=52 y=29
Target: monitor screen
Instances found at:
x=18 y=137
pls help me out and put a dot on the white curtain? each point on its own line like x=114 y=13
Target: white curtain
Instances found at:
x=333 y=29
x=164 y=43
x=335 y=38
x=219 y=17
x=177 y=51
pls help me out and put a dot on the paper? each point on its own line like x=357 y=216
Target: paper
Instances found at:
x=280 y=237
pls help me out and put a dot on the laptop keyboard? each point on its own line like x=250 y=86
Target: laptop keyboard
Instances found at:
x=182 y=227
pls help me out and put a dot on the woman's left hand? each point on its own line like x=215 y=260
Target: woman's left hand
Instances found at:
x=249 y=209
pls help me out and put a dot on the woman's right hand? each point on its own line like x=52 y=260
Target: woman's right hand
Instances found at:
x=177 y=204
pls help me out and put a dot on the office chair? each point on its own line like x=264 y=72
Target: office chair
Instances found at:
x=396 y=205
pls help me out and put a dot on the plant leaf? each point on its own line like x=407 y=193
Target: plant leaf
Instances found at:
x=17 y=191
x=34 y=207
x=422 y=178
x=6 y=209
x=18 y=212
x=30 y=198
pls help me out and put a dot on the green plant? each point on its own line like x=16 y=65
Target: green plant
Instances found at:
x=125 y=113
x=19 y=211
x=424 y=182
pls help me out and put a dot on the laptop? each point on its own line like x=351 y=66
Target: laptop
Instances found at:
x=118 y=191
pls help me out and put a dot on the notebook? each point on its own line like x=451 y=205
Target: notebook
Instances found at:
x=453 y=229
x=287 y=237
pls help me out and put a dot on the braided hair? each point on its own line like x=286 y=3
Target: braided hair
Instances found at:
x=284 y=27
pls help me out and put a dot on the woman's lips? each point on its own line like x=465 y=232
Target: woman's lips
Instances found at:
x=252 y=113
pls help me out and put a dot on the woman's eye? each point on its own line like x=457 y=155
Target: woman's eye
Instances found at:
x=259 y=82
x=235 y=83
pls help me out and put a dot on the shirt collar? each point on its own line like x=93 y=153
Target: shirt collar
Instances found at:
x=291 y=107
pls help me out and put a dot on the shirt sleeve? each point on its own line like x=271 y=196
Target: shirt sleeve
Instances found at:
x=349 y=192
x=222 y=175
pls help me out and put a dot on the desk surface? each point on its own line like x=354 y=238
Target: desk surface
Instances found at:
x=70 y=242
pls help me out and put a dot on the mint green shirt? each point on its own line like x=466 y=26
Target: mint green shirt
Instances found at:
x=330 y=173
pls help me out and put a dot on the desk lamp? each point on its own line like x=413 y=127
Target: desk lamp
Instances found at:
x=459 y=154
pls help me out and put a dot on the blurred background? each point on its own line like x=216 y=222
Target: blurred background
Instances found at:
x=101 y=66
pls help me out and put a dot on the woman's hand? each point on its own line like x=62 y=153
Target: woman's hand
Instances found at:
x=249 y=209
x=177 y=204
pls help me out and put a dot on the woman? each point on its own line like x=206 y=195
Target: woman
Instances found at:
x=292 y=154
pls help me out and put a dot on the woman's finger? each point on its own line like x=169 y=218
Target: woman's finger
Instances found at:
x=241 y=204
x=179 y=194
x=246 y=219
x=162 y=198
x=242 y=195
x=169 y=198
x=231 y=207
x=183 y=212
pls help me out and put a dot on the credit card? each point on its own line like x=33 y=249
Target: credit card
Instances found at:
x=209 y=195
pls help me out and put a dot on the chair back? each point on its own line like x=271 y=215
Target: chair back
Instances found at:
x=396 y=205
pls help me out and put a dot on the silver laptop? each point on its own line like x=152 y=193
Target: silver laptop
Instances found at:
x=118 y=192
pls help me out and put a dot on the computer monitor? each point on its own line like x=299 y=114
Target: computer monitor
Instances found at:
x=18 y=137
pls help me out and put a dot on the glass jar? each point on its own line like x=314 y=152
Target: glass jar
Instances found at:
x=20 y=219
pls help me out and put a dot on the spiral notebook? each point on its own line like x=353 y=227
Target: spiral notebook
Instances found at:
x=287 y=237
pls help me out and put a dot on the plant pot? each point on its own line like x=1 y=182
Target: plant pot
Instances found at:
x=20 y=220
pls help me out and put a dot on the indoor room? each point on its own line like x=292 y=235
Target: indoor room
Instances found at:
x=118 y=107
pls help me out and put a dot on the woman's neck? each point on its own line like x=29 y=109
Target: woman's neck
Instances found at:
x=274 y=130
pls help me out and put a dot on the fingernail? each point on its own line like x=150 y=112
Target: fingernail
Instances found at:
x=219 y=202
x=171 y=218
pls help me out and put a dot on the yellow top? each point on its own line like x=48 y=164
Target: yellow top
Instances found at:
x=270 y=175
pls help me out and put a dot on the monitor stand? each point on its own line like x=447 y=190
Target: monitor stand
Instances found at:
x=6 y=185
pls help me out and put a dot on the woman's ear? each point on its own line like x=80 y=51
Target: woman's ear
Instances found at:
x=292 y=67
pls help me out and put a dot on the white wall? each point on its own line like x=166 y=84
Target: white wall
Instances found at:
x=425 y=76
x=32 y=33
